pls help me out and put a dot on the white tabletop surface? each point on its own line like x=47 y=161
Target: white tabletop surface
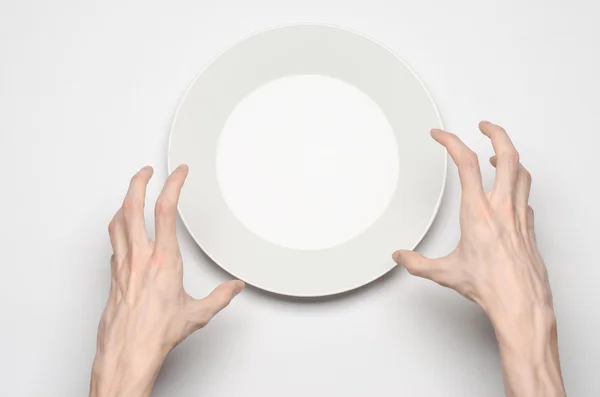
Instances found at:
x=88 y=90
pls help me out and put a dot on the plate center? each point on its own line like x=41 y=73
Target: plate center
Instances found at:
x=307 y=162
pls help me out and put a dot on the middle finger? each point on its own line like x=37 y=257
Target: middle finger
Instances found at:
x=133 y=207
x=507 y=169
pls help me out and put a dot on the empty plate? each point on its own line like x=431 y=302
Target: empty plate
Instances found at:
x=310 y=160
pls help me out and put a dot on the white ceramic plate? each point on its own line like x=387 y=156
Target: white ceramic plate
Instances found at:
x=310 y=50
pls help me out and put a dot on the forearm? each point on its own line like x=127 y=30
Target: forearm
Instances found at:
x=529 y=352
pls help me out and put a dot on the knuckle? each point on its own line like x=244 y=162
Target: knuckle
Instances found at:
x=512 y=156
x=163 y=206
x=530 y=215
x=407 y=264
x=136 y=178
x=112 y=227
x=201 y=323
x=203 y=317
x=471 y=160
x=527 y=175
x=116 y=262
x=113 y=263
x=129 y=204
x=500 y=129
x=414 y=270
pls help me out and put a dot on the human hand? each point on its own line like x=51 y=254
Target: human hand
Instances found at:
x=496 y=262
x=148 y=312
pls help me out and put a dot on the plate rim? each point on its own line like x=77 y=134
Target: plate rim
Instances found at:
x=292 y=24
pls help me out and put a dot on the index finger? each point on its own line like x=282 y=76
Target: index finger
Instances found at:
x=165 y=212
x=465 y=159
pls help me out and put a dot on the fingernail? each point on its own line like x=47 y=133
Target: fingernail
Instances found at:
x=485 y=122
x=183 y=168
x=397 y=256
x=435 y=133
x=147 y=168
x=239 y=287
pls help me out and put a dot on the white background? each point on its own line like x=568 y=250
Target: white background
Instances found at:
x=87 y=94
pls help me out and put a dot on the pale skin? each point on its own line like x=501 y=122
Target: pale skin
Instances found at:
x=495 y=264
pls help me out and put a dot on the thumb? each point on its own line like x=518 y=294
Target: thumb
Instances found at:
x=217 y=300
x=415 y=263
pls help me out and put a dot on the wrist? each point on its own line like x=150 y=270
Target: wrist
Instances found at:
x=520 y=323
x=119 y=372
x=528 y=345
